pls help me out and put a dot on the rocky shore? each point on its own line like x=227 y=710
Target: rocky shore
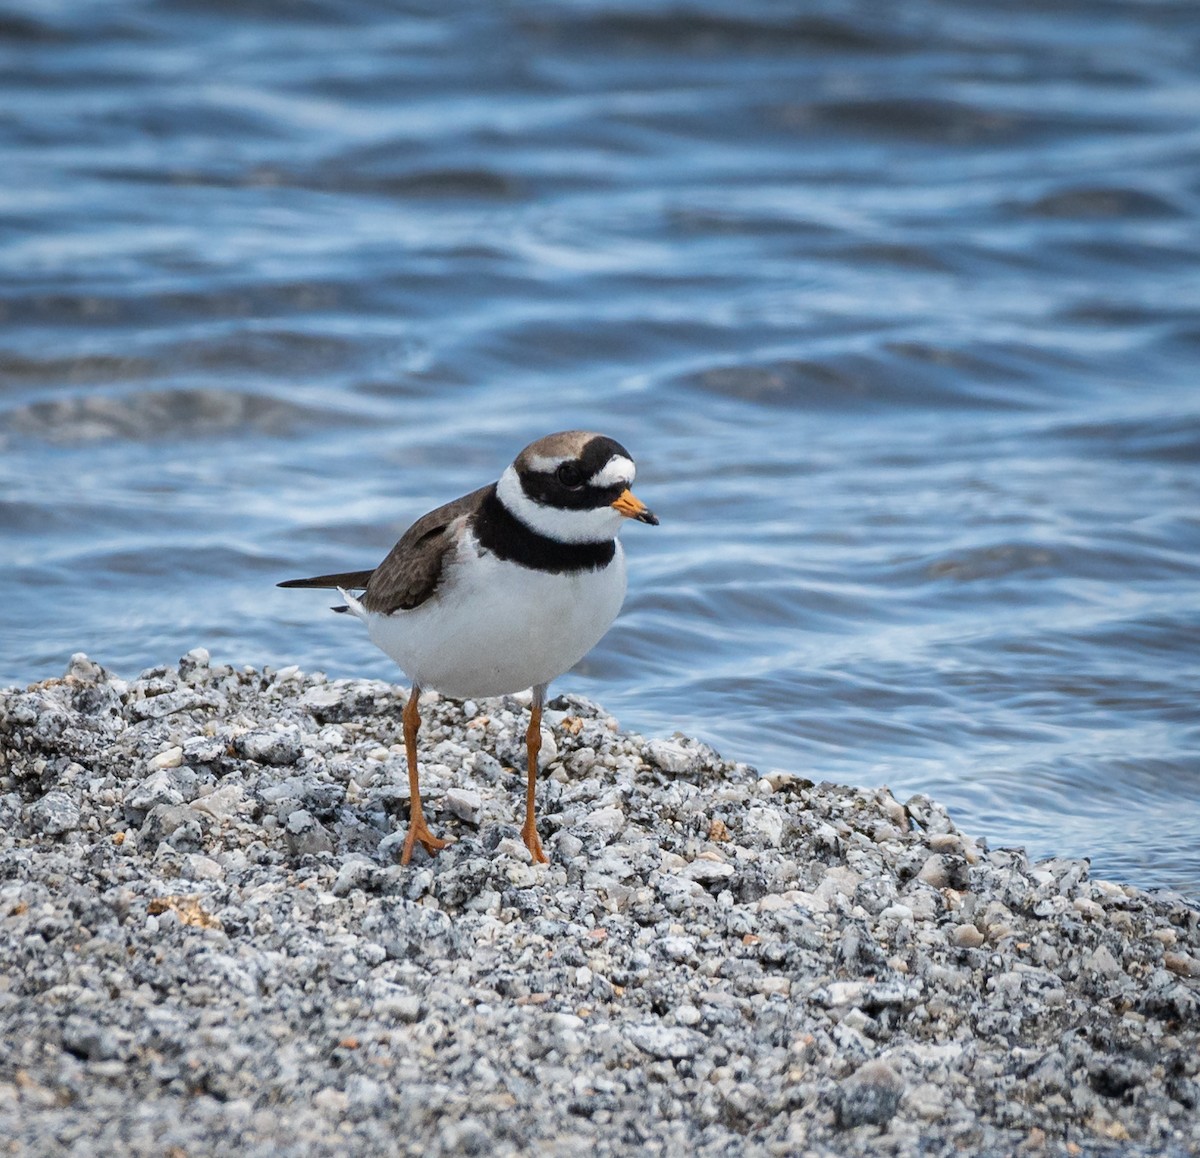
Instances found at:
x=206 y=945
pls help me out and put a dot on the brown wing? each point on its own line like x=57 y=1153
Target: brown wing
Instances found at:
x=413 y=569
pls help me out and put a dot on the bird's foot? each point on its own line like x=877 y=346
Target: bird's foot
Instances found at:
x=418 y=831
x=529 y=835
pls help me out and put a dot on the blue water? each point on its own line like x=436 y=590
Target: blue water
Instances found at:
x=898 y=306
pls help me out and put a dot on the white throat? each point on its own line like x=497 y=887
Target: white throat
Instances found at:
x=597 y=525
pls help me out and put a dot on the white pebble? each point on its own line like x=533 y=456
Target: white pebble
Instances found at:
x=670 y=756
x=966 y=937
x=201 y=868
x=549 y=750
x=605 y=820
x=766 y=824
x=1102 y=961
x=707 y=872
x=465 y=804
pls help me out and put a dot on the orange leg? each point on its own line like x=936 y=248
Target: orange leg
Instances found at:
x=533 y=745
x=418 y=830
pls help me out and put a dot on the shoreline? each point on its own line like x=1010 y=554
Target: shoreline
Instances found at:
x=207 y=944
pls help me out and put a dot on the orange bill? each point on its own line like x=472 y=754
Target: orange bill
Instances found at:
x=632 y=507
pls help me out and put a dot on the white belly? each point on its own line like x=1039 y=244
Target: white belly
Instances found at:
x=494 y=628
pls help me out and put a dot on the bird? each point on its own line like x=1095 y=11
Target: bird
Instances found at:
x=502 y=590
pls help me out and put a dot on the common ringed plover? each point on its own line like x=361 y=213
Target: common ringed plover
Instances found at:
x=501 y=590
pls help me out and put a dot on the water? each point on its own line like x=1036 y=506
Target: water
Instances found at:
x=898 y=306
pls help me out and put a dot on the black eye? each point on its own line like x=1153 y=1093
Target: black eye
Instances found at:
x=569 y=475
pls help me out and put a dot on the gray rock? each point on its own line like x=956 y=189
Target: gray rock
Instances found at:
x=581 y=760
x=764 y=826
x=277 y=748
x=392 y=846
x=411 y=932
x=88 y=1039
x=204 y=749
x=930 y=815
x=1103 y=962
x=868 y=994
x=201 y=868
x=708 y=872
x=83 y=669
x=870 y=1097
x=403 y=1007
x=341 y=701
x=306 y=835
x=934 y=872
x=466 y=804
x=356 y=873
x=671 y=757
x=161 y=787
x=666 y=1041
x=966 y=936
x=54 y=814
x=195 y=664
x=158 y=707
x=320 y=797
x=177 y=824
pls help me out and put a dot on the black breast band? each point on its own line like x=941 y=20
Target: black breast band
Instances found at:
x=499 y=531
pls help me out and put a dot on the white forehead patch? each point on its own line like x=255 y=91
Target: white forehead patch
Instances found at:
x=617 y=471
x=546 y=463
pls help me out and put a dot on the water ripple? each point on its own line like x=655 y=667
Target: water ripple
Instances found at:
x=895 y=305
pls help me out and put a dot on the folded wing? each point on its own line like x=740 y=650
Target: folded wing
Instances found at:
x=413 y=569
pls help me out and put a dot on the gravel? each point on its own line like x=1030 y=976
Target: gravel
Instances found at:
x=206 y=945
